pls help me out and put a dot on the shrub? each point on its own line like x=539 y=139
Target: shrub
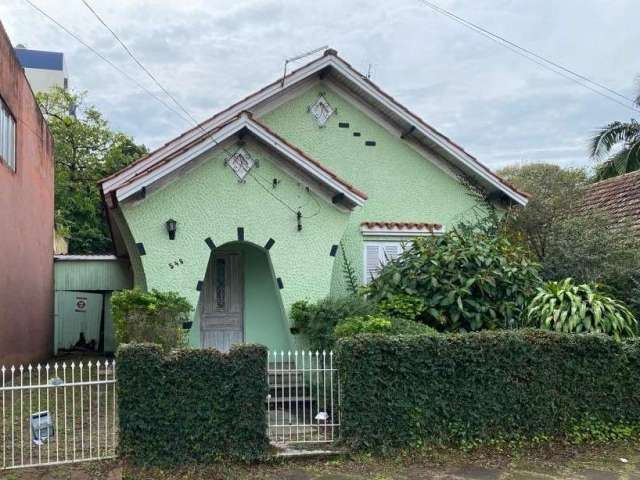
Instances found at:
x=153 y=317
x=368 y=324
x=316 y=321
x=589 y=250
x=471 y=388
x=402 y=306
x=191 y=406
x=566 y=307
x=380 y=325
x=467 y=279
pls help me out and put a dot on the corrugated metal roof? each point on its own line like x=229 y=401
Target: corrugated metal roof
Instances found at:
x=40 y=59
x=58 y=258
x=91 y=273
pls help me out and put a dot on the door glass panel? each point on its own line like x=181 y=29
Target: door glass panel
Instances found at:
x=220 y=283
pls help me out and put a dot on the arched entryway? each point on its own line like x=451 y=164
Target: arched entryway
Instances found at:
x=240 y=300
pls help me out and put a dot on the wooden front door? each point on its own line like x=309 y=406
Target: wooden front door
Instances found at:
x=221 y=319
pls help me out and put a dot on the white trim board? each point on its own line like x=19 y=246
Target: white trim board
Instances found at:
x=244 y=121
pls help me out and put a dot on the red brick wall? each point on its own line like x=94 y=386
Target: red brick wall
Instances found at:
x=26 y=224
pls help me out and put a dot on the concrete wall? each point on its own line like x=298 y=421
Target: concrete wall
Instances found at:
x=26 y=217
x=42 y=80
x=208 y=201
x=402 y=184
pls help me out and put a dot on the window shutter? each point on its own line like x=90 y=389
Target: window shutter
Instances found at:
x=372 y=261
x=390 y=251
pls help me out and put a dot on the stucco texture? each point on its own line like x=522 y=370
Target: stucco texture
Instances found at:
x=209 y=201
x=402 y=185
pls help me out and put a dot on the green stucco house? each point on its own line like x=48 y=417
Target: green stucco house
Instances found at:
x=250 y=211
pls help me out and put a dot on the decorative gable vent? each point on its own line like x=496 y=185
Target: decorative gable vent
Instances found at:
x=241 y=162
x=321 y=110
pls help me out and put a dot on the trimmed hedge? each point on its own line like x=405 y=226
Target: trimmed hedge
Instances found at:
x=192 y=406
x=405 y=391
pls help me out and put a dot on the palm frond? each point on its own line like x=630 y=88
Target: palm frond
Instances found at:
x=613 y=134
x=625 y=161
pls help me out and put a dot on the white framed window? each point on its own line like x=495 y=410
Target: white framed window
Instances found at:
x=378 y=253
x=7 y=137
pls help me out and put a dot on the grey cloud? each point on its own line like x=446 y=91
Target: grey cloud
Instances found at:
x=497 y=105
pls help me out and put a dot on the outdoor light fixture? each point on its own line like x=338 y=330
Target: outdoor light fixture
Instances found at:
x=171 y=228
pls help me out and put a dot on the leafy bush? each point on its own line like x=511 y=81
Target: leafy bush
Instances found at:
x=467 y=279
x=380 y=325
x=152 y=317
x=588 y=250
x=566 y=307
x=368 y=324
x=316 y=321
x=462 y=389
x=192 y=406
x=402 y=306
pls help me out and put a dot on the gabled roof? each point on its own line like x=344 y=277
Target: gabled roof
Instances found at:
x=245 y=123
x=619 y=197
x=331 y=66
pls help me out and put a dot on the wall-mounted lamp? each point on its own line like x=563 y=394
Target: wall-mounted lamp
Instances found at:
x=171 y=228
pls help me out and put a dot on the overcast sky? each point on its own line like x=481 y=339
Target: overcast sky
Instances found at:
x=499 y=106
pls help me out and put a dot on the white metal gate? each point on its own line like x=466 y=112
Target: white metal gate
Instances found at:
x=304 y=398
x=58 y=413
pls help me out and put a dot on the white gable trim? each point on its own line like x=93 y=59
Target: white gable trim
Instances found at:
x=242 y=122
x=247 y=104
x=455 y=152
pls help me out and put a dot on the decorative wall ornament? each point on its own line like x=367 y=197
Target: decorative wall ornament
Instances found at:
x=321 y=110
x=241 y=163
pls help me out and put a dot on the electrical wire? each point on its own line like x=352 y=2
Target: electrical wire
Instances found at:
x=157 y=82
x=138 y=62
x=104 y=59
x=536 y=58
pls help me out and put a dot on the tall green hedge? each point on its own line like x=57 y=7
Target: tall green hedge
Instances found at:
x=400 y=392
x=192 y=406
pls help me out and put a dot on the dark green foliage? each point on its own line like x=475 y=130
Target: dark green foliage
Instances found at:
x=479 y=387
x=380 y=325
x=155 y=317
x=193 y=406
x=467 y=280
x=86 y=150
x=402 y=306
x=316 y=321
x=589 y=250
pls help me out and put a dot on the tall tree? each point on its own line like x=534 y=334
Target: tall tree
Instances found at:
x=569 y=241
x=617 y=147
x=86 y=150
x=554 y=193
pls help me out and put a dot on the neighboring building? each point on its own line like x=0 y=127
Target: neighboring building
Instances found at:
x=44 y=70
x=250 y=211
x=618 y=197
x=83 y=288
x=26 y=216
